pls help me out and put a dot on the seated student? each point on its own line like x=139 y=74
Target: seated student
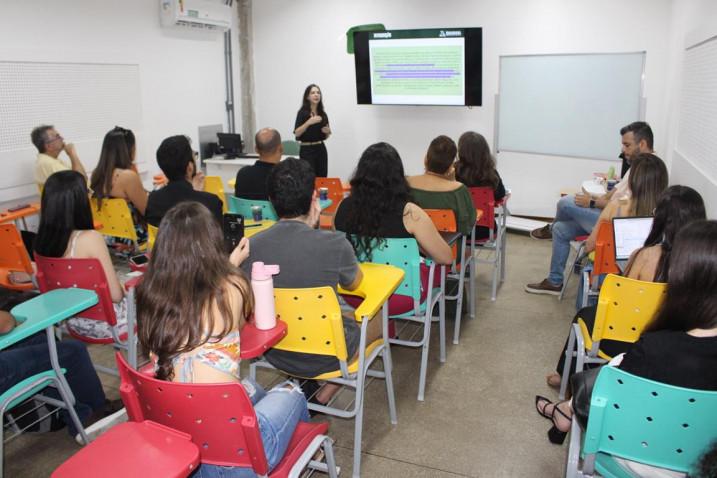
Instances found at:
x=49 y=145
x=191 y=308
x=679 y=347
x=437 y=188
x=307 y=257
x=115 y=176
x=476 y=168
x=66 y=230
x=648 y=179
x=380 y=207
x=251 y=180
x=31 y=356
x=580 y=212
x=176 y=160
x=677 y=207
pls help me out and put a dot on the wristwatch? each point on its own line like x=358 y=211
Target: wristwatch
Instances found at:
x=592 y=204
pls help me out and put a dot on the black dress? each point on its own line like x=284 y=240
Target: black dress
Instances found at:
x=315 y=154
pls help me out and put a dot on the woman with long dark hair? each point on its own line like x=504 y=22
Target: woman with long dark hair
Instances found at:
x=311 y=129
x=191 y=307
x=679 y=346
x=66 y=230
x=677 y=207
x=380 y=207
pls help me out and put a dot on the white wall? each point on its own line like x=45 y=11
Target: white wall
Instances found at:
x=692 y=19
x=181 y=72
x=297 y=43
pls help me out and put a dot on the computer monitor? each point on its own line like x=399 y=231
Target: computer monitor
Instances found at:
x=208 y=140
x=230 y=144
x=630 y=234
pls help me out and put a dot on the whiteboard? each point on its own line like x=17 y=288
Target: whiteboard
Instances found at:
x=82 y=100
x=696 y=138
x=568 y=104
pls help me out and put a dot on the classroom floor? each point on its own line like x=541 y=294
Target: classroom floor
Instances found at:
x=478 y=418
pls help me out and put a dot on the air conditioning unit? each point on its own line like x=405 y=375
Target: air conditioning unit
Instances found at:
x=206 y=14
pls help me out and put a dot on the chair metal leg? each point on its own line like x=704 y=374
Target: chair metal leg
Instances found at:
x=441 y=317
x=569 y=351
x=131 y=334
x=472 y=291
x=358 y=426
x=388 y=372
x=573 y=459
x=328 y=447
x=424 y=354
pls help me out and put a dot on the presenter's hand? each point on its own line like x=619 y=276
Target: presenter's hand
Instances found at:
x=198 y=181
x=326 y=130
x=316 y=119
x=240 y=252
x=582 y=199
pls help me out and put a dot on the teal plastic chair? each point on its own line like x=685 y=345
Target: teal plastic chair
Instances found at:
x=403 y=253
x=243 y=207
x=35 y=315
x=291 y=148
x=642 y=420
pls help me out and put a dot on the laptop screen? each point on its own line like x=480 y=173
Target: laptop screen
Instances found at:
x=630 y=234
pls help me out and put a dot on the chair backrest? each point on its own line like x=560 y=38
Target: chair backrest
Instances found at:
x=605 y=250
x=13 y=255
x=444 y=220
x=402 y=253
x=218 y=416
x=649 y=422
x=291 y=148
x=152 y=232
x=87 y=273
x=625 y=307
x=115 y=217
x=214 y=185
x=243 y=206
x=484 y=199
x=336 y=192
x=313 y=319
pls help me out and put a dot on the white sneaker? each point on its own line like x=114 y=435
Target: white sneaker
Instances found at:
x=101 y=426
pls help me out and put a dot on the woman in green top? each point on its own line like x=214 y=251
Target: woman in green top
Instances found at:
x=437 y=187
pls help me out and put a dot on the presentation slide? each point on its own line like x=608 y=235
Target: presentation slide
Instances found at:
x=419 y=67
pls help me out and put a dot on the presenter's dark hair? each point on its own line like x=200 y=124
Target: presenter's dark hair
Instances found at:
x=64 y=208
x=306 y=104
x=378 y=188
x=173 y=156
x=39 y=136
x=475 y=166
x=691 y=302
x=648 y=180
x=267 y=140
x=677 y=207
x=640 y=130
x=117 y=149
x=441 y=154
x=290 y=187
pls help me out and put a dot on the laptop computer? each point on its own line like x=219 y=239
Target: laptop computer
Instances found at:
x=629 y=234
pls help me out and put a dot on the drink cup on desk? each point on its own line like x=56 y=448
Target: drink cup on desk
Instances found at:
x=256 y=213
x=323 y=193
x=611 y=184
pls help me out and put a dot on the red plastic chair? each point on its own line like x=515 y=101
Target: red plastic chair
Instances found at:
x=146 y=449
x=13 y=257
x=494 y=218
x=221 y=421
x=336 y=192
x=87 y=273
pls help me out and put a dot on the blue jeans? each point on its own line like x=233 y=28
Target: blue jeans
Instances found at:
x=31 y=356
x=278 y=413
x=570 y=220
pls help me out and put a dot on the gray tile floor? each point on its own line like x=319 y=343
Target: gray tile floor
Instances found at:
x=478 y=418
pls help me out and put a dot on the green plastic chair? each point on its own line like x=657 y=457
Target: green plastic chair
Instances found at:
x=644 y=421
x=404 y=254
x=243 y=207
x=291 y=148
x=43 y=312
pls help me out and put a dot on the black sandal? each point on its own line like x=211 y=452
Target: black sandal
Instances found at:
x=555 y=435
x=542 y=413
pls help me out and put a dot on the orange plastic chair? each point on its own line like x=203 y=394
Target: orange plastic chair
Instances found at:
x=336 y=192
x=221 y=421
x=604 y=262
x=13 y=257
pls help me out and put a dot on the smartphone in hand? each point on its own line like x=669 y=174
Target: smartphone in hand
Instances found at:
x=233 y=225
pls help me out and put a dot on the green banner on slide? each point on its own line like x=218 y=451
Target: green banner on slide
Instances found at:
x=417 y=70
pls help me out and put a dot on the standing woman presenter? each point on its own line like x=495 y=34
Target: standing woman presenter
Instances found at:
x=311 y=129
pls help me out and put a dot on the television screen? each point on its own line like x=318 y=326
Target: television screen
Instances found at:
x=439 y=66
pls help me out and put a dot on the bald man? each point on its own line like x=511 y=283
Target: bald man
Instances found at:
x=251 y=180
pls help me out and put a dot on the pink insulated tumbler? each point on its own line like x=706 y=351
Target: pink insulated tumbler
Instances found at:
x=262 y=285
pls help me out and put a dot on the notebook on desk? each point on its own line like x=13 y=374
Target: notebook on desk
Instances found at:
x=629 y=234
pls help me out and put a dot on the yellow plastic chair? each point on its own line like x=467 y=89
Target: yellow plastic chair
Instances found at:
x=232 y=183
x=115 y=219
x=625 y=307
x=315 y=326
x=152 y=232
x=213 y=184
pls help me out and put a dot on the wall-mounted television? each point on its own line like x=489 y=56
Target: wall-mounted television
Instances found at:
x=437 y=66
